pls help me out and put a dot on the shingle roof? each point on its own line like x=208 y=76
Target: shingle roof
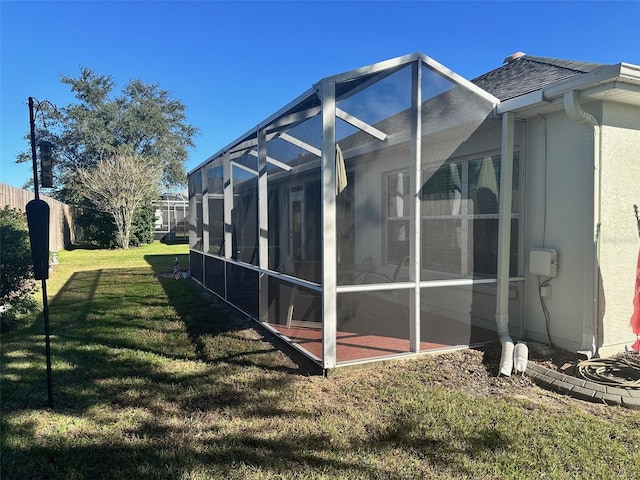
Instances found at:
x=527 y=74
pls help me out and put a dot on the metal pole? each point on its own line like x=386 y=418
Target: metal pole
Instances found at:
x=47 y=344
x=45 y=301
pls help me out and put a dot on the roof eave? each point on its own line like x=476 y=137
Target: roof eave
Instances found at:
x=622 y=73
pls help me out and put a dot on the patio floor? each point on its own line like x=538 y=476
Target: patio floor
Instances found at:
x=353 y=346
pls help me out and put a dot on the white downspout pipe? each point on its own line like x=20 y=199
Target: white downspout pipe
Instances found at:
x=504 y=243
x=590 y=321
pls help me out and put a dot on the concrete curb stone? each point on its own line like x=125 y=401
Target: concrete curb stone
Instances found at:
x=582 y=389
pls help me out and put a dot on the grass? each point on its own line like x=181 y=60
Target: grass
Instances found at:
x=151 y=382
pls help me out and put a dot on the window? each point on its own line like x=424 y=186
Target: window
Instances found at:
x=398 y=208
x=459 y=217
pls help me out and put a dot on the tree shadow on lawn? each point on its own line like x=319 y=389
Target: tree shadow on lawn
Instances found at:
x=185 y=296
x=173 y=456
x=103 y=363
x=153 y=410
x=98 y=356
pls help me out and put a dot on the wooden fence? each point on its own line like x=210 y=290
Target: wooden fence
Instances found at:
x=62 y=229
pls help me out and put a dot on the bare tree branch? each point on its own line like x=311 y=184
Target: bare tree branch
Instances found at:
x=119 y=186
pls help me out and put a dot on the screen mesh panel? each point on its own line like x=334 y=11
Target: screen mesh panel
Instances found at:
x=372 y=131
x=215 y=199
x=464 y=315
x=214 y=275
x=196 y=224
x=296 y=312
x=460 y=218
x=454 y=185
x=294 y=197
x=244 y=215
x=372 y=324
x=242 y=288
x=195 y=266
x=451 y=316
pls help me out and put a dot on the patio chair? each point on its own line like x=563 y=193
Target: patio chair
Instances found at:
x=381 y=277
x=371 y=277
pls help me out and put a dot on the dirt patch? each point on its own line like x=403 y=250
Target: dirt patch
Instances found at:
x=475 y=372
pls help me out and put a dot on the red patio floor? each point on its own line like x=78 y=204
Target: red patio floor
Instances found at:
x=354 y=346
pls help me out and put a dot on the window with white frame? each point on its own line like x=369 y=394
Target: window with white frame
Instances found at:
x=459 y=211
x=398 y=193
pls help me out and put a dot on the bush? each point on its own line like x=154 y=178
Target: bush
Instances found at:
x=98 y=228
x=17 y=284
x=143 y=226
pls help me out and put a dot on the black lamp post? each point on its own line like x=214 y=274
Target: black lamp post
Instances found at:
x=38 y=221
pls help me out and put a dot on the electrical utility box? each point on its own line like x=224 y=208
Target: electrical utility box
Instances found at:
x=543 y=262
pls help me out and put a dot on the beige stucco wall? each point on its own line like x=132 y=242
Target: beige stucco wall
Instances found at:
x=620 y=176
x=559 y=191
x=560 y=169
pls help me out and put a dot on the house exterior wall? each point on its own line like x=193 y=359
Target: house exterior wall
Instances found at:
x=620 y=174
x=559 y=215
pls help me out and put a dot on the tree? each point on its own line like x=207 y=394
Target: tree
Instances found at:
x=142 y=122
x=99 y=228
x=120 y=186
x=16 y=274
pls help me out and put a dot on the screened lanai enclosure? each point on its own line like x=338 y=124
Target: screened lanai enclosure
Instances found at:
x=171 y=217
x=365 y=220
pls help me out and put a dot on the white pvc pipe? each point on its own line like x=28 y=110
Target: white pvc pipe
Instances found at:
x=504 y=243
x=589 y=329
x=506 y=359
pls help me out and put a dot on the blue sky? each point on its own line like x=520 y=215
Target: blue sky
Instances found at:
x=235 y=63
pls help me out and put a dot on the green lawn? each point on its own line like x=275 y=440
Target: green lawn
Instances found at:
x=150 y=382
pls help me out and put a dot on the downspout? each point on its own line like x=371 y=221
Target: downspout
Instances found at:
x=590 y=322
x=504 y=243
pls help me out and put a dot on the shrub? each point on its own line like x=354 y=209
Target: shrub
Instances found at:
x=16 y=271
x=143 y=226
x=98 y=228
